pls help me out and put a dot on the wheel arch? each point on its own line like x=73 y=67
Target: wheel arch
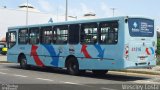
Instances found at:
x=20 y=56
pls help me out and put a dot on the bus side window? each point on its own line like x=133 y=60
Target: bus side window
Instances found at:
x=23 y=36
x=109 y=32
x=60 y=34
x=46 y=35
x=89 y=33
x=34 y=35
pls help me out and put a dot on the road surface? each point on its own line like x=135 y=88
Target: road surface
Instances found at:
x=47 y=79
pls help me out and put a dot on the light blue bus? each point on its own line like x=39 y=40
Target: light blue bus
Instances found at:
x=97 y=44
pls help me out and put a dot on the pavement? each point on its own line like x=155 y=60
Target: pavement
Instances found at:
x=48 y=79
x=3 y=58
x=152 y=71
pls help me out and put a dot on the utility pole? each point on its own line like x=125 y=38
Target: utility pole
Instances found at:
x=66 y=13
x=113 y=11
x=27 y=14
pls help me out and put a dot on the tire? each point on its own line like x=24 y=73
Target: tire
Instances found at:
x=73 y=66
x=23 y=63
x=99 y=72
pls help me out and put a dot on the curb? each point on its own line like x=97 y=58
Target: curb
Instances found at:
x=141 y=72
x=4 y=62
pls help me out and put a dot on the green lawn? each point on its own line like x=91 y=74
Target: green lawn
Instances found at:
x=158 y=59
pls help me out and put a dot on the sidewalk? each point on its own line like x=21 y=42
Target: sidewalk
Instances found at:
x=153 y=71
x=3 y=58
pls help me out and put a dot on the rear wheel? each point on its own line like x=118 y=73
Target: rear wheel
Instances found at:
x=99 y=72
x=73 y=66
x=23 y=63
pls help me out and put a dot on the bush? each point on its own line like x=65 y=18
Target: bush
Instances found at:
x=158 y=59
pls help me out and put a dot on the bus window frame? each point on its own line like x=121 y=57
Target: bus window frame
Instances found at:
x=26 y=37
x=56 y=36
x=109 y=22
x=92 y=34
x=37 y=35
x=9 y=39
x=42 y=35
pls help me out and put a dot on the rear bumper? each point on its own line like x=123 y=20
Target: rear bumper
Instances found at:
x=132 y=65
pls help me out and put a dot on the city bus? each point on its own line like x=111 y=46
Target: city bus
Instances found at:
x=97 y=45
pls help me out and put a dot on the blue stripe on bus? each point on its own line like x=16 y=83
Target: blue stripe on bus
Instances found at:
x=52 y=52
x=152 y=50
x=99 y=49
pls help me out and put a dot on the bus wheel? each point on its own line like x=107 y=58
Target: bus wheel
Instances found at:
x=99 y=72
x=23 y=63
x=73 y=66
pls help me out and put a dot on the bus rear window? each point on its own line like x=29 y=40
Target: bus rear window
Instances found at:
x=141 y=27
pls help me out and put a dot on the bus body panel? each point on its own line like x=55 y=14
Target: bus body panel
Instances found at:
x=141 y=41
x=91 y=57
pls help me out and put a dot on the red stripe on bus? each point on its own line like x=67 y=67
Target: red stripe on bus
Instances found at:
x=35 y=56
x=147 y=51
x=85 y=52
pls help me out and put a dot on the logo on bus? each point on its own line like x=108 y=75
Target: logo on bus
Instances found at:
x=135 y=27
x=135 y=24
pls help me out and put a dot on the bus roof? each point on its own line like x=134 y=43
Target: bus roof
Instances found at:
x=75 y=22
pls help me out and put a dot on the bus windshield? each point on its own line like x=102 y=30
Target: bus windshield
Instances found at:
x=139 y=27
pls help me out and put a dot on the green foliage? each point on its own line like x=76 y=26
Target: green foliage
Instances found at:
x=158 y=62
x=158 y=51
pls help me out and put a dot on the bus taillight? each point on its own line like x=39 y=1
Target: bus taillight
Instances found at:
x=126 y=52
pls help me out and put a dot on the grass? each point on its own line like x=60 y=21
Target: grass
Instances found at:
x=158 y=60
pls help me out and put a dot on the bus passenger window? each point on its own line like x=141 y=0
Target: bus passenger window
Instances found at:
x=34 y=36
x=89 y=33
x=46 y=35
x=23 y=36
x=60 y=34
x=11 y=39
x=108 y=32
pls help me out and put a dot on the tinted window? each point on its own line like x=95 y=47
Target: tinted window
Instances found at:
x=141 y=27
x=60 y=34
x=34 y=35
x=46 y=34
x=89 y=33
x=108 y=32
x=23 y=36
x=74 y=34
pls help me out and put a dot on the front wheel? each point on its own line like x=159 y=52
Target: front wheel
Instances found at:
x=23 y=63
x=73 y=66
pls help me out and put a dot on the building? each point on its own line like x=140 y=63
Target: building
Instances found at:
x=18 y=17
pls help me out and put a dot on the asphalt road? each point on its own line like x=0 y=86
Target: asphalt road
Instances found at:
x=11 y=76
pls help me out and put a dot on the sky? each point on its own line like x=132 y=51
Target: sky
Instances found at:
x=102 y=8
